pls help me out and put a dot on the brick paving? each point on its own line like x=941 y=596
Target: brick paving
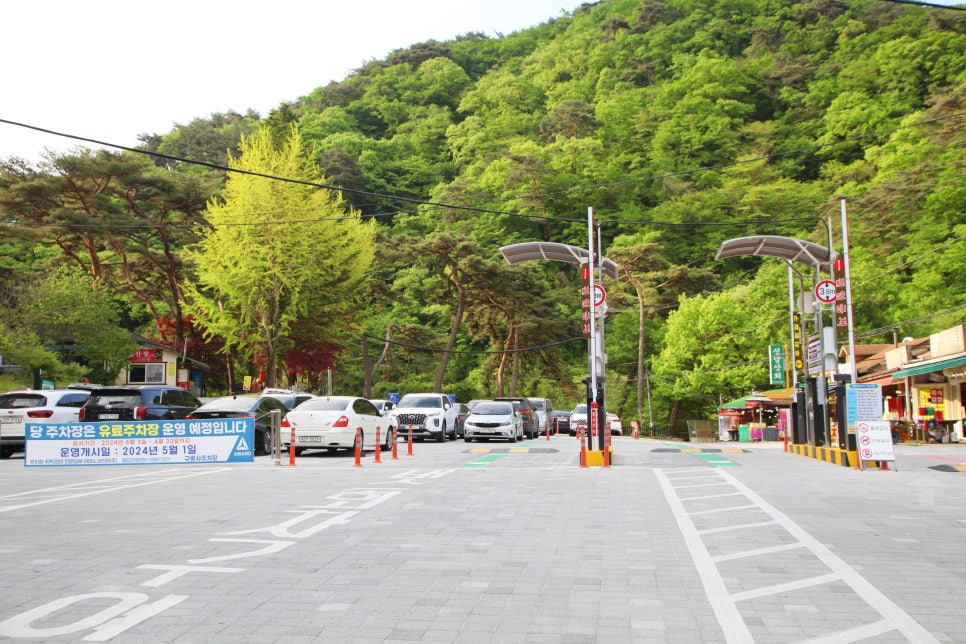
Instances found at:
x=454 y=545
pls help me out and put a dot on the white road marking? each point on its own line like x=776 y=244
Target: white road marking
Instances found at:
x=725 y=603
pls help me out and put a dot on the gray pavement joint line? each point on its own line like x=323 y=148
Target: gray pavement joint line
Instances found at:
x=869 y=593
x=729 y=618
x=67 y=497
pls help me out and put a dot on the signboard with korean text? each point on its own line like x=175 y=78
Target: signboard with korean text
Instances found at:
x=840 y=310
x=141 y=442
x=873 y=436
x=873 y=439
x=776 y=364
x=585 y=320
x=797 y=338
x=147 y=355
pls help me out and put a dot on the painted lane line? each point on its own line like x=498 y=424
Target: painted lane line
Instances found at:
x=777 y=589
x=726 y=611
x=757 y=552
x=857 y=634
x=731 y=508
x=67 y=496
x=732 y=528
x=872 y=595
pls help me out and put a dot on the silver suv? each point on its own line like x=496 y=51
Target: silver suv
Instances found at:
x=427 y=415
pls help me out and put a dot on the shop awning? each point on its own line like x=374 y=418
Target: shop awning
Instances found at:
x=738 y=403
x=776 y=398
x=930 y=366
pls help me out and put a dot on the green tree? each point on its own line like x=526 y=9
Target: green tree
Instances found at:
x=72 y=316
x=280 y=257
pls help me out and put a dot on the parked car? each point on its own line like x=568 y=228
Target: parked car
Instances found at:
x=384 y=406
x=428 y=415
x=292 y=399
x=255 y=406
x=614 y=423
x=542 y=407
x=494 y=419
x=461 y=414
x=331 y=422
x=18 y=408
x=531 y=425
x=145 y=402
x=560 y=420
x=578 y=420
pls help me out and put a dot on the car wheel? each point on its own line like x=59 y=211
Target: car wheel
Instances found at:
x=332 y=450
x=467 y=439
x=264 y=440
x=513 y=438
x=442 y=434
x=6 y=452
x=387 y=444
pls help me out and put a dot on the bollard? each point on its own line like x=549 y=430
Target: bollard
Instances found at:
x=556 y=426
x=548 y=429
x=607 y=439
x=634 y=429
x=358 y=462
x=291 y=447
x=410 y=440
x=395 y=438
x=583 y=454
x=378 y=444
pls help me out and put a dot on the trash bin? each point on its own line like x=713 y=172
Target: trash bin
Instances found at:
x=744 y=434
x=770 y=434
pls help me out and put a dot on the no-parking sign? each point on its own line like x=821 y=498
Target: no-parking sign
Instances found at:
x=874 y=440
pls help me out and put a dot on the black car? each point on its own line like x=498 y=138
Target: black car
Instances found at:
x=531 y=425
x=252 y=406
x=145 y=402
x=560 y=421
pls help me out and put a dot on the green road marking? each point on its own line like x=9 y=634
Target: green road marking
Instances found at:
x=483 y=460
x=715 y=459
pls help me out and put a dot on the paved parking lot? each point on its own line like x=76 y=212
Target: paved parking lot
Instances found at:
x=489 y=543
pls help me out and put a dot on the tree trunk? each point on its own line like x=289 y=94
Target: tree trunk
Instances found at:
x=454 y=332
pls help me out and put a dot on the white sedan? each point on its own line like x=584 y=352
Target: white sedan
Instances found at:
x=616 y=428
x=331 y=423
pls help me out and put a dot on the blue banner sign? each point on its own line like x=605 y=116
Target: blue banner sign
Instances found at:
x=141 y=442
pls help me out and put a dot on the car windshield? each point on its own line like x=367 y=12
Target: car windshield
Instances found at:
x=325 y=404
x=16 y=401
x=492 y=409
x=538 y=404
x=228 y=404
x=116 y=398
x=580 y=409
x=423 y=402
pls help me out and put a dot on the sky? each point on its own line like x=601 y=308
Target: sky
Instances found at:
x=113 y=69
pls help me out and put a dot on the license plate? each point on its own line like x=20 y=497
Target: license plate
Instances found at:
x=109 y=416
x=309 y=439
x=11 y=419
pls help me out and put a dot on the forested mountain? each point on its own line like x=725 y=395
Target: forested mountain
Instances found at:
x=683 y=123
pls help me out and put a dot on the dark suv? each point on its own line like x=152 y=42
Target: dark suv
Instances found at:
x=531 y=423
x=146 y=402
